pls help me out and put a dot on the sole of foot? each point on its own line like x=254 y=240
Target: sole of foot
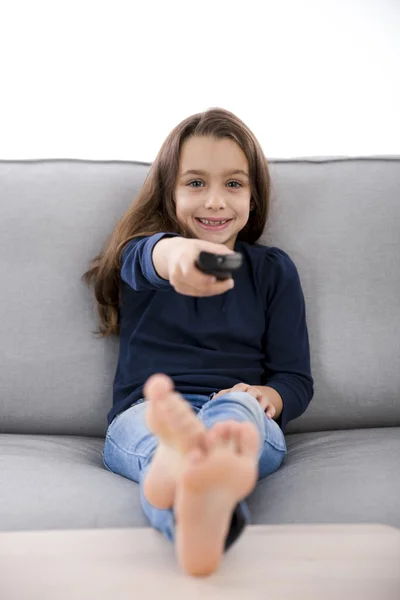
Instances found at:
x=170 y=417
x=212 y=484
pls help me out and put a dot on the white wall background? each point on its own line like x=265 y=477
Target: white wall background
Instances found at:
x=109 y=80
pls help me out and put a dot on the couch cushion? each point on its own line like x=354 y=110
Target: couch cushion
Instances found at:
x=339 y=220
x=57 y=482
x=349 y=476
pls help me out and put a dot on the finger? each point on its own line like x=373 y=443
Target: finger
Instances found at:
x=187 y=280
x=263 y=401
x=254 y=393
x=203 y=290
x=198 y=279
x=242 y=387
x=185 y=285
x=189 y=290
x=213 y=288
x=220 y=288
x=216 y=248
x=271 y=410
x=221 y=393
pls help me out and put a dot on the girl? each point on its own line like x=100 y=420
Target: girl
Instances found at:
x=232 y=357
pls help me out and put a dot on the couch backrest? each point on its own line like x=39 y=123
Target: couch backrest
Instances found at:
x=338 y=219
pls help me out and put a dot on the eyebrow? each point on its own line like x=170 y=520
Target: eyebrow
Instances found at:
x=200 y=172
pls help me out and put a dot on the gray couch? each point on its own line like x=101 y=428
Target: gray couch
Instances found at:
x=339 y=220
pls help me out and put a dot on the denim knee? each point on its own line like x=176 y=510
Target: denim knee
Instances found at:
x=238 y=406
x=129 y=444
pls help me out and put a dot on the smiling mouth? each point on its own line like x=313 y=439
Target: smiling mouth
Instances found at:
x=213 y=223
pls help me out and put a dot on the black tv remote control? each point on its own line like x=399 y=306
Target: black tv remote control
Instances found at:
x=219 y=265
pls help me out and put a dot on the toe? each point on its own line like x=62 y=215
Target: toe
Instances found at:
x=184 y=419
x=213 y=436
x=248 y=439
x=223 y=430
x=157 y=385
x=195 y=456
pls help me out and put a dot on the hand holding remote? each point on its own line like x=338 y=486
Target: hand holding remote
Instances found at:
x=219 y=265
x=181 y=256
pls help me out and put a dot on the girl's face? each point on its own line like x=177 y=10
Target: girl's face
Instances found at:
x=212 y=190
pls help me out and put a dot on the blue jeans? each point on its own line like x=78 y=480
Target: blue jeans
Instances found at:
x=130 y=445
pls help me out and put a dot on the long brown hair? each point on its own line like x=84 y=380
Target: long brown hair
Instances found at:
x=153 y=210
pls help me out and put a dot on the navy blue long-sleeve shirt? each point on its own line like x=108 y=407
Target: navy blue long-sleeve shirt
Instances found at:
x=255 y=333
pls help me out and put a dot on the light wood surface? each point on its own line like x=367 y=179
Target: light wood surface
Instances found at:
x=272 y=562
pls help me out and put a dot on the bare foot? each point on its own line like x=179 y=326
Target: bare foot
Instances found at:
x=211 y=485
x=170 y=417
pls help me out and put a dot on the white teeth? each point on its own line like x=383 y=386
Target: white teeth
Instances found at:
x=206 y=222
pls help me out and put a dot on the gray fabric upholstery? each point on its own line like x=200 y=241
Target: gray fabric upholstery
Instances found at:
x=59 y=482
x=339 y=219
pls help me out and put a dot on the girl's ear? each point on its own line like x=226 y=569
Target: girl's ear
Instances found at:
x=252 y=205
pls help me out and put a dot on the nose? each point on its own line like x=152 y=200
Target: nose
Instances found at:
x=215 y=201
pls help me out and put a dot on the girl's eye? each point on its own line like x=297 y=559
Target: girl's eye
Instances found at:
x=195 y=181
x=237 y=183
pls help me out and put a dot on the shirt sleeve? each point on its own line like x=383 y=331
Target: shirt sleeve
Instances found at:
x=287 y=351
x=137 y=267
